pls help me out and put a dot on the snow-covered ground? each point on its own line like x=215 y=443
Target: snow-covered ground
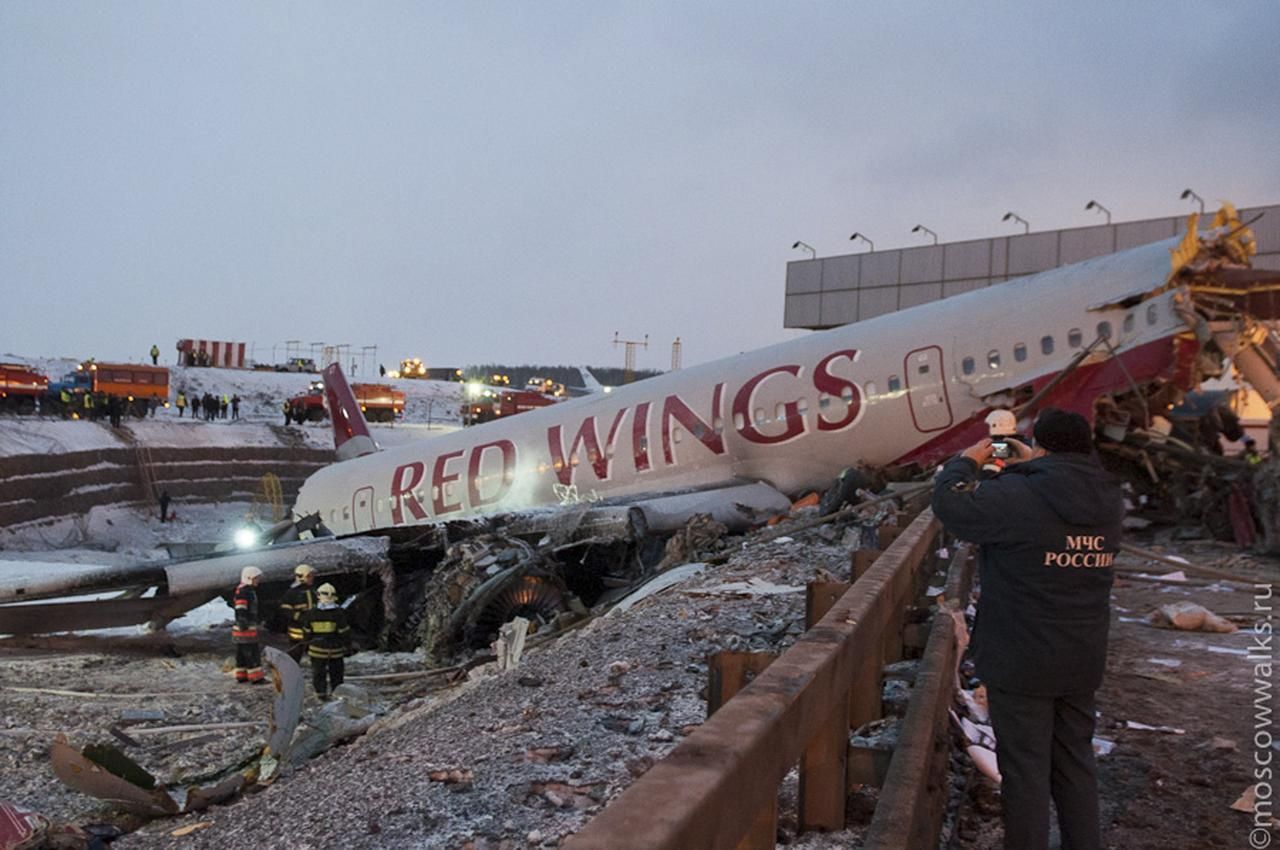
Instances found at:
x=431 y=408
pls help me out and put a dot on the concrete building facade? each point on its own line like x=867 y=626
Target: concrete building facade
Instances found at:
x=831 y=291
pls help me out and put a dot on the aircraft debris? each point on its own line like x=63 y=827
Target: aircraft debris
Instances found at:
x=510 y=643
x=1189 y=617
x=104 y=772
x=1144 y=727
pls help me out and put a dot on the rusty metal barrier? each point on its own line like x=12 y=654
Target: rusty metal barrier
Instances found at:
x=719 y=787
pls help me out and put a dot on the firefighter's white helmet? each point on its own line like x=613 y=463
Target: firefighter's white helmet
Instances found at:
x=304 y=570
x=1002 y=423
x=248 y=574
x=328 y=590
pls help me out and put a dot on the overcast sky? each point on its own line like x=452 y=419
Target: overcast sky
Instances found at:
x=481 y=181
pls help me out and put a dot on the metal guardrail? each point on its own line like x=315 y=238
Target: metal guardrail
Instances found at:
x=718 y=789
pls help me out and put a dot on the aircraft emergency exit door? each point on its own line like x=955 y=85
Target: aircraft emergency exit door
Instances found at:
x=927 y=389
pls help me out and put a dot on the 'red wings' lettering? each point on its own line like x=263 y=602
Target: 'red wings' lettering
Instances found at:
x=402 y=491
x=438 y=481
x=835 y=386
x=586 y=437
x=508 y=449
x=673 y=407
x=742 y=410
x=640 y=437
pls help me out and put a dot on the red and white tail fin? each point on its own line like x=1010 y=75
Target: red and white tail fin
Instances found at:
x=350 y=431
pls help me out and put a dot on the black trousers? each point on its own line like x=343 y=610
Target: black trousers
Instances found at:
x=1044 y=746
x=327 y=674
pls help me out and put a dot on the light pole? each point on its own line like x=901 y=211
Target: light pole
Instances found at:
x=1094 y=205
x=864 y=239
x=1187 y=193
x=921 y=228
x=1014 y=216
x=813 y=255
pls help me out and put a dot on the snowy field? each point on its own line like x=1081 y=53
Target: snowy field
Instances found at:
x=431 y=408
x=112 y=536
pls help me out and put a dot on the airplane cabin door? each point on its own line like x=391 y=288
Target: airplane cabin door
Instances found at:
x=362 y=509
x=927 y=389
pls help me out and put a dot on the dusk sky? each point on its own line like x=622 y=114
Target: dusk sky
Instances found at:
x=514 y=182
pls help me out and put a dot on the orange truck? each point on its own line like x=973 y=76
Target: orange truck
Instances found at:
x=21 y=387
x=490 y=404
x=135 y=383
x=378 y=402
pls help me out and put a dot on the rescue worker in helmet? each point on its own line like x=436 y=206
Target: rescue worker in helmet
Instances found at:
x=246 y=633
x=329 y=635
x=298 y=600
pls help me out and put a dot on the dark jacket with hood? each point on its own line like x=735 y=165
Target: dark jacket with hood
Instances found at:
x=1048 y=531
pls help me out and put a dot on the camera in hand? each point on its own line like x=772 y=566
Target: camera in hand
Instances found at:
x=1001 y=448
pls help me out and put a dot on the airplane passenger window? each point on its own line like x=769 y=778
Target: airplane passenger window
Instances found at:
x=1151 y=314
x=847 y=394
x=780 y=412
x=379 y=506
x=608 y=451
x=824 y=401
x=761 y=418
x=1128 y=322
x=739 y=421
x=333 y=517
x=1074 y=338
x=1020 y=352
x=346 y=513
x=894 y=384
x=1104 y=330
x=677 y=434
x=993 y=359
x=871 y=389
x=967 y=365
x=719 y=425
x=922 y=369
x=1046 y=345
x=419 y=495
x=802 y=406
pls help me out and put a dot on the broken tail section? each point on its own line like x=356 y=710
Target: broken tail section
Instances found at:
x=350 y=431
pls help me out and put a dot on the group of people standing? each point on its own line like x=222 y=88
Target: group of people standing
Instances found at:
x=208 y=406
x=317 y=628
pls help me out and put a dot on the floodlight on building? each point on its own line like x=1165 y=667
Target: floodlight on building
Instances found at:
x=1015 y=217
x=813 y=255
x=921 y=228
x=1187 y=193
x=871 y=244
x=1094 y=205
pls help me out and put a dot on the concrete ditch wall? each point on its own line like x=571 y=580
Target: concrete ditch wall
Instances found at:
x=40 y=488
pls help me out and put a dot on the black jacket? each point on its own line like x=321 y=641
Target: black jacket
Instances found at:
x=298 y=600
x=245 y=629
x=1048 y=531
x=327 y=629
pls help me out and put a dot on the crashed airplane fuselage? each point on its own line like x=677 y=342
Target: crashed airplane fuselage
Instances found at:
x=908 y=386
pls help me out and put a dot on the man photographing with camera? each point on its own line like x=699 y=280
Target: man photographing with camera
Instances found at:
x=1048 y=529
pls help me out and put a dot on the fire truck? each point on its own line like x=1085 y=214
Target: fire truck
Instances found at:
x=135 y=383
x=378 y=402
x=21 y=388
x=484 y=404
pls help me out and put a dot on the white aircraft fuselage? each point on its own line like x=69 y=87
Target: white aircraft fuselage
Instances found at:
x=912 y=385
